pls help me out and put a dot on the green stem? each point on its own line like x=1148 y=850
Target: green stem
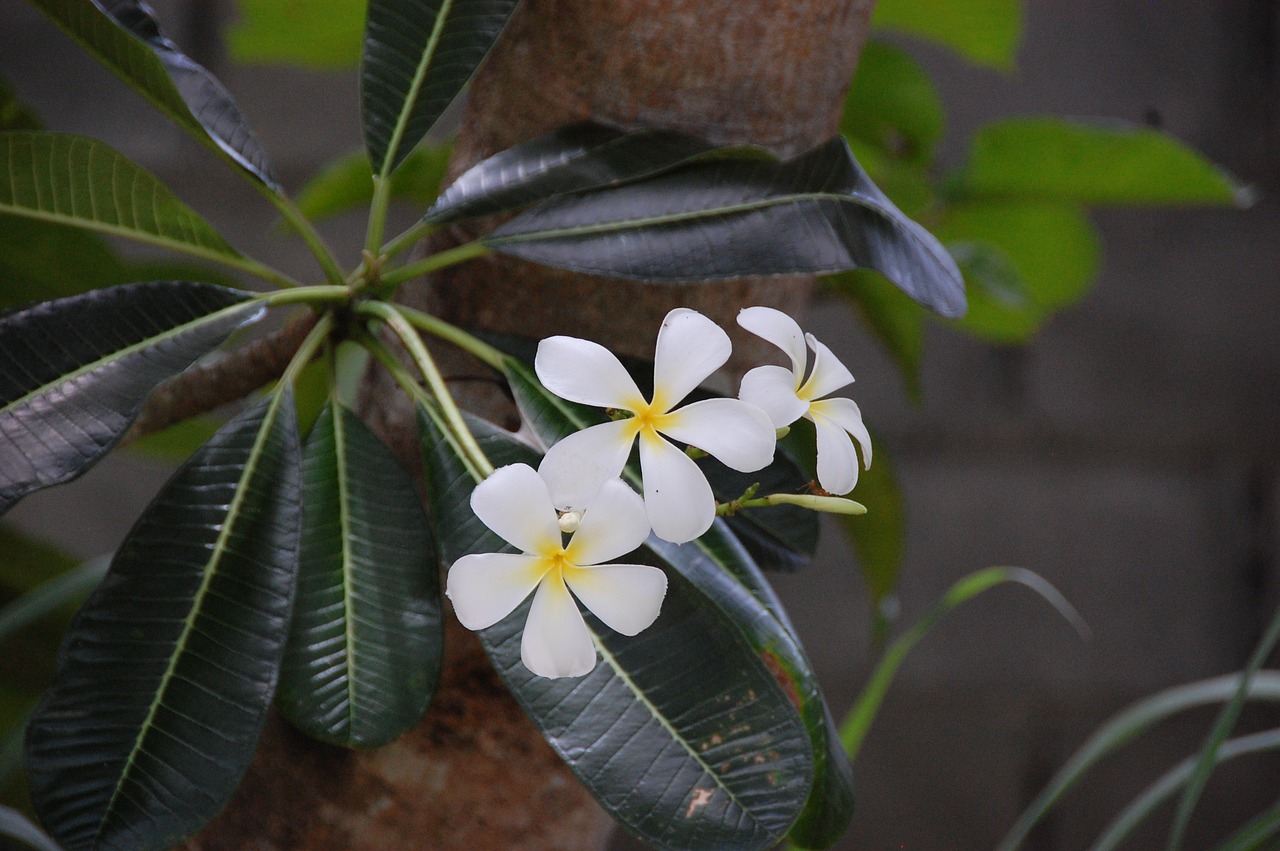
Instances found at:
x=378 y=214
x=467 y=342
x=314 y=339
x=322 y=253
x=419 y=230
x=468 y=251
x=427 y=366
x=827 y=504
x=306 y=295
x=411 y=388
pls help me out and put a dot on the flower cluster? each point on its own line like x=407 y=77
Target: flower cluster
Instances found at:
x=577 y=488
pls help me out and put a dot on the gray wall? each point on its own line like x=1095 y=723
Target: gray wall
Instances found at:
x=1129 y=454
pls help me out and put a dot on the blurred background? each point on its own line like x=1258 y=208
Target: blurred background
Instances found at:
x=1120 y=436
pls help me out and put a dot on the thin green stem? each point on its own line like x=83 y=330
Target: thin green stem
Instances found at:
x=420 y=229
x=411 y=388
x=378 y=213
x=307 y=295
x=322 y=253
x=422 y=359
x=317 y=336
x=828 y=504
x=468 y=251
x=467 y=342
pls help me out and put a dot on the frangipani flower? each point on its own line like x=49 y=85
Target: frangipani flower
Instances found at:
x=486 y=587
x=677 y=496
x=786 y=395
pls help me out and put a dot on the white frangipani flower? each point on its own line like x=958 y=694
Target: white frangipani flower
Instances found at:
x=677 y=496
x=486 y=587
x=786 y=395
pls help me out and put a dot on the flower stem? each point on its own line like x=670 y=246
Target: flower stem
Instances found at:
x=422 y=359
x=828 y=504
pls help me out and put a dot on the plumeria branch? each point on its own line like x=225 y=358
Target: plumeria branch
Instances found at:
x=813 y=502
x=390 y=315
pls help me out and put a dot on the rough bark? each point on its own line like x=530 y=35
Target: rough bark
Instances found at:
x=476 y=773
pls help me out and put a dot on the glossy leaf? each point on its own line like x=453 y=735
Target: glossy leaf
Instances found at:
x=576 y=158
x=733 y=218
x=320 y=34
x=75 y=180
x=896 y=321
x=366 y=644
x=724 y=569
x=985 y=32
x=124 y=37
x=74 y=373
x=893 y=104
x=167 y=672
x=347 y=183
x=1055 y=159
x=16 y=828
x=418 y=54
x=682 y=732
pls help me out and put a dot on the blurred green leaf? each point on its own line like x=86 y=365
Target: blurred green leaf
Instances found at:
x=893 y=105
x=60 y=593
x=1256 y=833
x=895 y=320
x=28 y=562
x=986 y=32
x=347 y=182
x=319 y=34
x=879 y=536
x=178 y=441
x=14 y=115
x=1055 y=159
x=1049 y=252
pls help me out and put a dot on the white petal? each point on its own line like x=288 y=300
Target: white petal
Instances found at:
x=515 y=504
x=614 y=524
x=556 y=642
x=828 y=373
x=738 y=434
x=627 y=597
x=576 y=467
x=676 y=494
x=772 y=389
x=837 y=459
x=487 y=587
x=586 y=372
x=844 y=413
x=690 y=348
x=781 y=330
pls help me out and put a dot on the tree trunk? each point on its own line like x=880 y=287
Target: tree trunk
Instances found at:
x=476 y=773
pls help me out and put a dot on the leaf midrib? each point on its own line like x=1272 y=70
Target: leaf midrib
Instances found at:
x=415 y=87
x=210 y=570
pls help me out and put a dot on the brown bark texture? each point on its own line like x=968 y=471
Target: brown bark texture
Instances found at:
x=476 y=774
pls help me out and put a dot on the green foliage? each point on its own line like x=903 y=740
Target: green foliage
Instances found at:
x=893 y=105
x=347 y=183
x=320 y=34
x=985 y=32
x=1094 y=163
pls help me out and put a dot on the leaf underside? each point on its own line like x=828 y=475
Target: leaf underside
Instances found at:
x=727 y=218
x=167 y=673
x=682 y=733
x=418 y=54
x=365 y=648
x=75 y=372
x=80 y=181
x=123 y=36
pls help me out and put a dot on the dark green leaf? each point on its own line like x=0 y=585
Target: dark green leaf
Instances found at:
x=985 y=32
x=366 y=644
x=733 y=218
x=167 y=673
x=893 y=104
x=723 y=568
x=125 y=38
x=347 y=183
x=418 y=54
x=322 y=34
x=75 y=372
x=572 y=159
x=895 y=320
x=682 y=733
x=79 y=181
x=40 y=261
x=15 y=827
x=1052 y=248
x=1055 y=159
